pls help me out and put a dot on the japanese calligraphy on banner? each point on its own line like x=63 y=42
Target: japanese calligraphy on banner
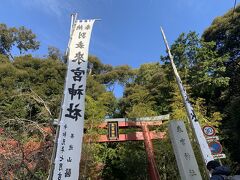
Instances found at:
x=69 y=146
x=183 y=151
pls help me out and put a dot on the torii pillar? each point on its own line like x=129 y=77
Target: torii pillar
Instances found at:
x=152 y=167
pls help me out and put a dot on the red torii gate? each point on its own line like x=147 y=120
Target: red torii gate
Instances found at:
x=145 y=136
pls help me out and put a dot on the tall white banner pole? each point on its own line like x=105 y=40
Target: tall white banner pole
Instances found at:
x=69 y=143
x=205 y=150
x=52 y=165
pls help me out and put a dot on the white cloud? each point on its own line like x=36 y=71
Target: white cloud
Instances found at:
x=54 y=7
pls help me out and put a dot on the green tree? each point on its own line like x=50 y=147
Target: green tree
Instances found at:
x=201 y=68
x=6 y=39
x=231 y=129
x=54 y=53
x=135 y=95
x=207 y=77
x=119 y=74
x=25 y=39
x=98 y=67
x=30 y=98
x=184 y=51
x=125 y=161
x=21 y=38
x=224 y=31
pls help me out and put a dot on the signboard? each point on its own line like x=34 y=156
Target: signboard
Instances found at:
x=215 y=147
x=212 y=138
x=113 y=131
x=183 y=151
x=219 y=156
x=209 y=130
x=69 y=143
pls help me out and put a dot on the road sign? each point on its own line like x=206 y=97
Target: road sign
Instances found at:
x=215 y=147
x=209 y=130
x=212 y=138
x=219 y=156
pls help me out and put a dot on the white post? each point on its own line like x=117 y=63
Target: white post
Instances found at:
x=52 y=165
x=205 y=150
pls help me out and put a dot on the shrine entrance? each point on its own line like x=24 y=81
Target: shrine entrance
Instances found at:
x=71 y=121
x=113 y=126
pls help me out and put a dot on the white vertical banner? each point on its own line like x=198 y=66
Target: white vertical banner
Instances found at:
x=70 y=138
x=205 y=150
x=186 y=161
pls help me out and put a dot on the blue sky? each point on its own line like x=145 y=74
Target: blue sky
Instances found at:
x=129 y=32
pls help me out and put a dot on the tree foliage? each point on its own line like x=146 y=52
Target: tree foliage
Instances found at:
x=54 y=53
x=21 y=38
x=224 y=31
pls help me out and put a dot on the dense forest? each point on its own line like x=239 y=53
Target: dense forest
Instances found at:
x=31 y=91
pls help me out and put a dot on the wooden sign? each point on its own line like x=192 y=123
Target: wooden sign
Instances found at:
x=113 y=131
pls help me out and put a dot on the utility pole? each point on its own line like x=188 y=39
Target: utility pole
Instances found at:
x=204 y=148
